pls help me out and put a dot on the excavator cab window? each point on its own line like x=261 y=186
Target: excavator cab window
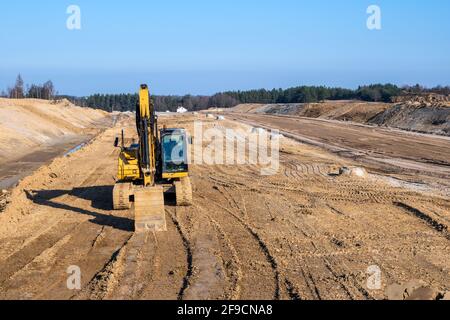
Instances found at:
x=174 y=153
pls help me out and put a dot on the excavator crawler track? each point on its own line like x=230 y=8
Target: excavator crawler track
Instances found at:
x=121 y=196
x=183 y=191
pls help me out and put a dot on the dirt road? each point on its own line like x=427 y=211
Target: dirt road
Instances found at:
x=13 y=170
x=305 y=233
x=408 y=156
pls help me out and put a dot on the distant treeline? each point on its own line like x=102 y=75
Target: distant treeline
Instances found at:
x=44 y=91
x=308 y=94
x=127 y=102
x=303 y=94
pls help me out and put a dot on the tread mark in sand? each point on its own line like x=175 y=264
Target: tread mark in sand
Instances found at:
x=324 y=253
x=62 y=278
x=98 y=238
x=52 y=241
x=341 y=279
x=188 y=248
x=101 y=282
x=232 y=201
x=312 y=286
x=20 y=259
x=292 y=291
x=93 y=177
x=237 y=275
x=439 y=227
x=270 y=258
x=306 y=273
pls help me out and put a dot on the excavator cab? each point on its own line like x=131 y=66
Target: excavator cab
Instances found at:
x=174 y=153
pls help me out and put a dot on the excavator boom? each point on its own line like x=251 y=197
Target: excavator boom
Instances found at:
x=148 y=199
x=145 y=122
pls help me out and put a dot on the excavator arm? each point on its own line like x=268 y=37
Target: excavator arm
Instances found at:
x=146 y=128
x=149 y=200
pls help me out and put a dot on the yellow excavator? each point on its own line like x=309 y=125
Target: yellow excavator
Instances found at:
x=156 y=165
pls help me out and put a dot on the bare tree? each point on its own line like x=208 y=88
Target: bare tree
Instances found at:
x=48 y=90
x=17 y=92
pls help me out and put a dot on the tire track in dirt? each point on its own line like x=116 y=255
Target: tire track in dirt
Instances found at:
x=336 y=267
x=230 y=260
x=104 y=280
x=67 y=227
x=104 y=244
x=154 y=266
x=442 y=213
x=29 y=240
x=353 y=289
x=84 y=237
x=212 y=257
x=138 y=268
x=426 y=218
x=45 y=277
x=256 y=237
x=292 y=291
x=188 y=250
x=20 y=259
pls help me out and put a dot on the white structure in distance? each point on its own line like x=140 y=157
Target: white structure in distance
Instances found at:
x=182 y=110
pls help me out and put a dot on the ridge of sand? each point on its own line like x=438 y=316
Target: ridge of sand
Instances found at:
x=28 y=124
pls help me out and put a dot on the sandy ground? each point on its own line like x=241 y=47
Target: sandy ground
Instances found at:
x=35 y=131
x=421 y=159
x=304 y=233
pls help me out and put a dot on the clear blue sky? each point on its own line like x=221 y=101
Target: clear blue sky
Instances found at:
x=205 y=46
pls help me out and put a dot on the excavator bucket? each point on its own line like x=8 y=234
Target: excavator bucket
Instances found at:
x=149 y=209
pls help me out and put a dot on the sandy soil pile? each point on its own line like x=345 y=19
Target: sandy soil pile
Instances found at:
x=29 y=123
x=357 y=111
x=427 y=98
x=426 y=115
x=417 y=116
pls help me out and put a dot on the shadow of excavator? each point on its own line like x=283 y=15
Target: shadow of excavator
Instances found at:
x=100 y=197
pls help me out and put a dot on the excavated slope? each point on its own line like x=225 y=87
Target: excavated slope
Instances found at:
x=420 y=116
x=29 y=124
